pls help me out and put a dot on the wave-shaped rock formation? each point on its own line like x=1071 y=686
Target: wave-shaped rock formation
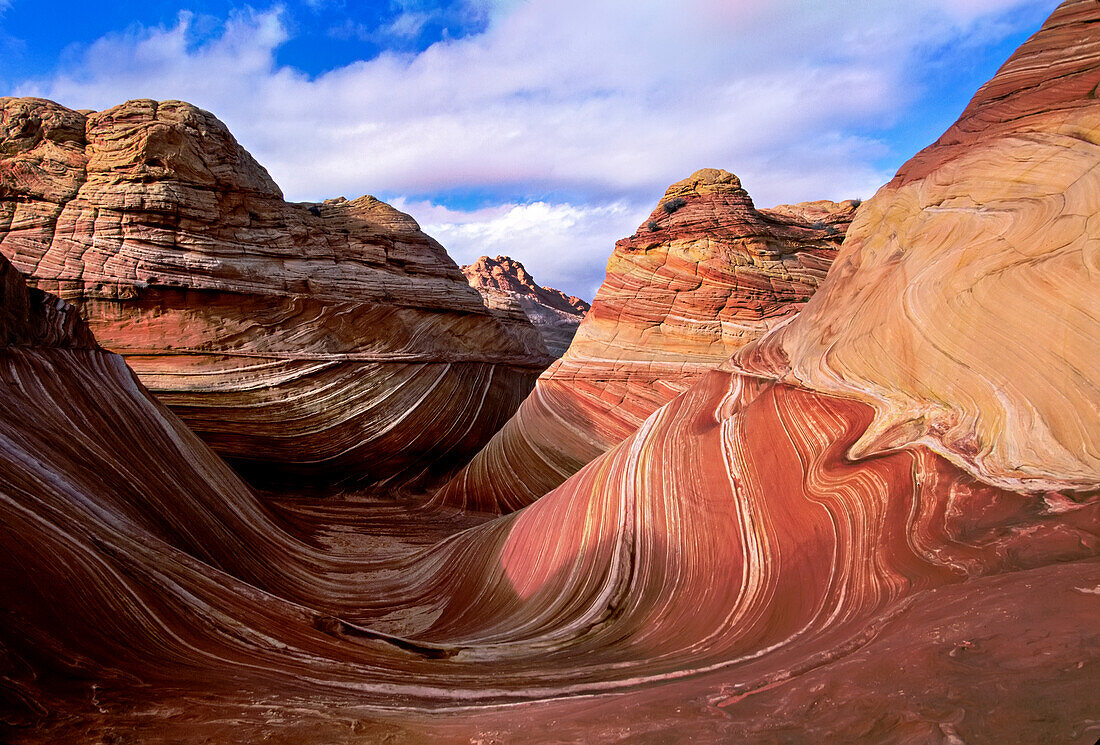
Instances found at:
x=743 y=567
x=506 y=286
x=704 y=275
x=30 y=317
x=972 y=328
x=315 y=342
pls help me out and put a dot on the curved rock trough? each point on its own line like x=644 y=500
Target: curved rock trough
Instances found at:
x=857 y=502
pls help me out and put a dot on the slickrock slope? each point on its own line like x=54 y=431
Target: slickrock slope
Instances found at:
x=133 y=554
x=505 y=285
x=318 y=342
x=98 y=480
x=704 y=275
x=738 y=569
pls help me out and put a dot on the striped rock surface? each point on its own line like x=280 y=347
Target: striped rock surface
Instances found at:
x=706 y=274
x=738 y=569
x=963 y=306
x=311 y=342
x=725 y=559
x=505 y=284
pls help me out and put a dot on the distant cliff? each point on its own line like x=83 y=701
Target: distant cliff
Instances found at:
x=505 y=283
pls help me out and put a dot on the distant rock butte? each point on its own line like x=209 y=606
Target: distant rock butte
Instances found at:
x=323 y=342
x=704 y=275
x=507 y=287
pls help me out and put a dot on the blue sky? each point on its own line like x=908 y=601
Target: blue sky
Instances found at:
x=542 y=129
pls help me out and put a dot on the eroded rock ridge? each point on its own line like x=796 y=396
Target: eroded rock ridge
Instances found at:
x=305 y=342
x=505 y=285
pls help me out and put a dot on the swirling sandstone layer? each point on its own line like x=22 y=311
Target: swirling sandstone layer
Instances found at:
x=317 y=342
x=963 y=306
x=727 y=549
x=504 y=284
x=705 y=274
x=726 y=559
x=736 y=569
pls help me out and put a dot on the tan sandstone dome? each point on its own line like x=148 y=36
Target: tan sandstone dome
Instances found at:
x=705 y=274
x=964 y=305
x=311 y=342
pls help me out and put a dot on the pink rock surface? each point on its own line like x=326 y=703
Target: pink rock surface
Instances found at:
x=706 y=274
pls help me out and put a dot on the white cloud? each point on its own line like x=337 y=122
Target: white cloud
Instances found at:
x=154 y=63
x=412 y=16
x=408 y=24
x=607 y=101
x=573 y=241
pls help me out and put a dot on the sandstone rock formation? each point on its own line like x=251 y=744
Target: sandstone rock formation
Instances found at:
x=963 y=307
x=315 y=342
x=704 y=275
x=505 y=285
x=32 y=318
x=738 y=569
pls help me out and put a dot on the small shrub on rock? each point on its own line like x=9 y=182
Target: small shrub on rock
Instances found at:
x=674 y=204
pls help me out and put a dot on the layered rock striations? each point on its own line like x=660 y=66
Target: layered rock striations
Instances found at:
x=30 y=317
x=98 y=481
x=317 y=342
x=505 y=285
x=87 y=454
x=963 y=305
x=739 y=568
x=705 y=274
x=852 y=522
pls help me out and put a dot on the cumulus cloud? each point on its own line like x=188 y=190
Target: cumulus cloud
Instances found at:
x=572 y=241
x=604 y=102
